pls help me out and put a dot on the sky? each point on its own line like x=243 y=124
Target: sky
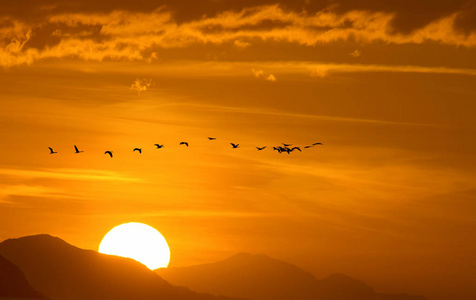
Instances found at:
x=388 y=88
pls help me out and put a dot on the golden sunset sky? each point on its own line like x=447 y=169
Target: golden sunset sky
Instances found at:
x=388 y=87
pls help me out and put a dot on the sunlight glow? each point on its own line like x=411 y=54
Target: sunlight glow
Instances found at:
x=137 y=241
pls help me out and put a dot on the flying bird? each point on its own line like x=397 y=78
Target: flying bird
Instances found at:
x=158 y=146
x=234 y=145
x=297 y=148
x=307 y=146
x=260 y=148
x=109 y=152
x=138 y=149
x=211 y=138
x=317 y=144
x=184 y=143
x=286 y=145
x=77 y=150
x=51 y=150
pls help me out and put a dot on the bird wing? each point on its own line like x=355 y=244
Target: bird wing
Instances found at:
x=76 y=148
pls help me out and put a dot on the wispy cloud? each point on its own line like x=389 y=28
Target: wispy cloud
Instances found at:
x=262 y=75
x=323 y=70
x=25 y=190
x=68 y=174
x=355 y=53
x=141 y=85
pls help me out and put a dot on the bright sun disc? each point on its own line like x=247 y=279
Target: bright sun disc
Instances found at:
x=137 y=241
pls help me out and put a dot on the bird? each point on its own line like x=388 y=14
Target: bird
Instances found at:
x=280 y=149
x=317 y=144
x=138 y=149
x=234 y=145
x=184 y=143
x=158 y=146
x=308 y=146
x=211 y=138
x=297 y=148
x=286 y=145
x=51 y=150
x=77 y=150
x=260 y=148
x=109 y=152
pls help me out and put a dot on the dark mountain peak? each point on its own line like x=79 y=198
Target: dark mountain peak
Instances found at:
x=13 y=282
x=38 y=239
x=62 y=271
x=243 y=256
x=244 y=275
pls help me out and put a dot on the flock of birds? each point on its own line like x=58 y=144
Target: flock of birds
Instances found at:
x=285 y=148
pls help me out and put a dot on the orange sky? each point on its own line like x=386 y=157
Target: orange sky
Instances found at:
x=388 y=88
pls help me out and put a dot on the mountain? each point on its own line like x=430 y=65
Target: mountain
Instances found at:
x=13 y=283
x=258 y=277
x=61 y=271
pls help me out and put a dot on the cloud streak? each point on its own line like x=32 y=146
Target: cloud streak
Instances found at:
x=68 y=174
x=123 y=35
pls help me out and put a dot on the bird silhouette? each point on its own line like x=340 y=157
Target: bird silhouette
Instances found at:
x=211 y=138
x=138 y=149
x=307 y=146
x=158 y=146
x=297 y=148
x=109 y=152
x=317 y=144
x=234 y=145
x=260 y=148
x=184 y=143
x=286 y=145
x=51 y=150
x=77 y=150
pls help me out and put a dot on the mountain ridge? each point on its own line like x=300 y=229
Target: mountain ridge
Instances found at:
x=260 y=277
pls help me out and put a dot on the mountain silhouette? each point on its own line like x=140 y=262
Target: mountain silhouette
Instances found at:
x=61 y=271
x=258 y=277
x=13 y=283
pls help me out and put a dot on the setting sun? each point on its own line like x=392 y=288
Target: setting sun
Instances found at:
x=137 y=241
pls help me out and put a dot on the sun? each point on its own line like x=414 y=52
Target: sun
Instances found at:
x=137 y=241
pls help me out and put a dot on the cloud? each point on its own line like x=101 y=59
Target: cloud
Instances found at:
x=32 y=191
x=261 y=75
x=324 y=70
x=271 y=77
x=127 y=35
x=68 y=174
x=141 y=85
x=356 y=53
x=241 y=44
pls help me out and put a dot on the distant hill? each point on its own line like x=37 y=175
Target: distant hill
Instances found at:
x=13 y=283
x=259 y=277
x=61 y=271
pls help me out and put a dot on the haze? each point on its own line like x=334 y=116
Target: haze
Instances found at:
x=388 y=87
